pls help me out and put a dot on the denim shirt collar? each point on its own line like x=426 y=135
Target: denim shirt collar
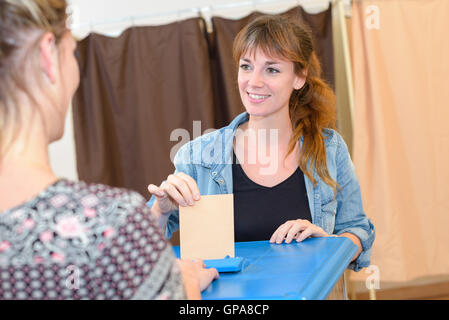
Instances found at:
x=228 y=136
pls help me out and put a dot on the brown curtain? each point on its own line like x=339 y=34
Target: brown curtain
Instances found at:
x=227 y=97
x=134 y=90
x=401 y=136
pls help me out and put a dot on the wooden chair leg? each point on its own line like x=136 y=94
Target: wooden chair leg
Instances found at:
x=350 y=285
x=372 y=293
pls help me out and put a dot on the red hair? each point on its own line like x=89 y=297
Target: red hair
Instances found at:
x=313 y=107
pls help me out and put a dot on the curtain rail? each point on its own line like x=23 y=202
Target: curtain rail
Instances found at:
x=200 y=12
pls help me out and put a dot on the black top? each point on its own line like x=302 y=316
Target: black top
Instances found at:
x=260 y=210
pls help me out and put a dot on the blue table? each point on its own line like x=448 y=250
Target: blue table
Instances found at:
x=304 y=270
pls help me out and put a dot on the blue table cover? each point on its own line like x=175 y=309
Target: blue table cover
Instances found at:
x=299 y=270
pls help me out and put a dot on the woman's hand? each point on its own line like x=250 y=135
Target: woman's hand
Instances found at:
x=196 y=277
x=178 y=190
x=296 y=229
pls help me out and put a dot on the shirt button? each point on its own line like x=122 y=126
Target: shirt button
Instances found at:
x=214 y=173
x=221 y=181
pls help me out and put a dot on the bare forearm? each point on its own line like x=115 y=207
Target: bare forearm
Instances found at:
x=356 y=241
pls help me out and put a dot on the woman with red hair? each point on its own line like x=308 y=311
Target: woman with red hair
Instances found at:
x=289 y=170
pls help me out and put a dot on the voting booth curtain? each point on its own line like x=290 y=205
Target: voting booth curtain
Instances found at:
x=138 y=88
x=134 y=91
x=401 y=136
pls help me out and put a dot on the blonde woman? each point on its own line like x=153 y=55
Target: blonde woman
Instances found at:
x=62 y=239
x=289 y=170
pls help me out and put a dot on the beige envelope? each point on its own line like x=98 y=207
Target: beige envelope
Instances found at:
x=207 y=228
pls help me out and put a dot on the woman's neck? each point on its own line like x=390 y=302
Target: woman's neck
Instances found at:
x=25 y=169
x=276 y=128
x=264 y=142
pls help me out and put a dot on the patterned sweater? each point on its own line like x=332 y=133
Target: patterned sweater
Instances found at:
x=85 y=241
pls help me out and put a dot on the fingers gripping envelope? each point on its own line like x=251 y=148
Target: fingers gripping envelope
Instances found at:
x=207 y=231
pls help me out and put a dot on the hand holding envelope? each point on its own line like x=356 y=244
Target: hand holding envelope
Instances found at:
x=181 y=192
x=206 y=222
x=177 y=191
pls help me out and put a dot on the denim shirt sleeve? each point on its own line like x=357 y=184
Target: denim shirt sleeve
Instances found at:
x=182 y=163
x=350 y=215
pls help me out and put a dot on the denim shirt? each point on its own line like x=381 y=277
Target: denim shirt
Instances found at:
x=208 y=160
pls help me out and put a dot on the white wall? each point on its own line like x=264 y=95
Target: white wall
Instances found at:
x=111 y=17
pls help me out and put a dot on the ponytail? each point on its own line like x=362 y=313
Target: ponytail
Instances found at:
x=312 y=109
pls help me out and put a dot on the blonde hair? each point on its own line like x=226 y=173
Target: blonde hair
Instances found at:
x=22 y=23
x=312 y=108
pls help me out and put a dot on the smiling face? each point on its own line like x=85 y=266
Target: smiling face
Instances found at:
x=266 y=83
